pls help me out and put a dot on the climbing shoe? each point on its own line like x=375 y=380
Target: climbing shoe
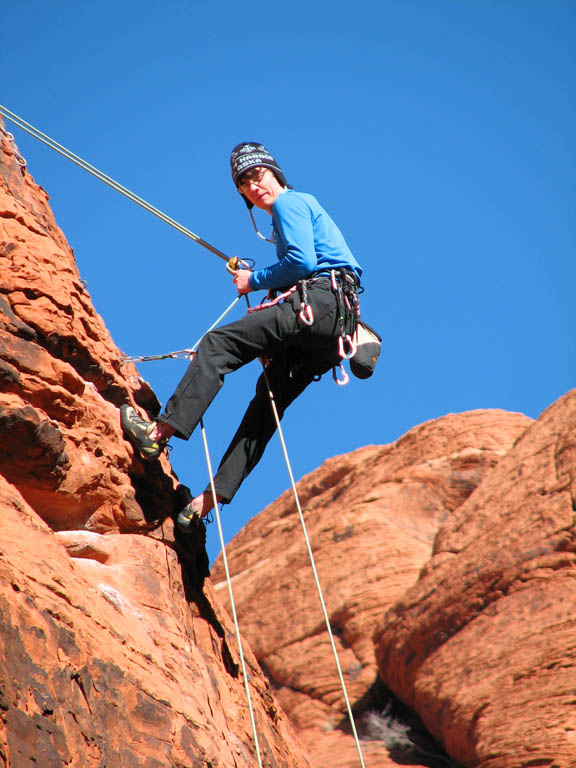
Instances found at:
x=188 y=519
x=138 y=430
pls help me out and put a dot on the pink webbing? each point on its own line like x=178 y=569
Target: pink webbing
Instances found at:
x=272 y=302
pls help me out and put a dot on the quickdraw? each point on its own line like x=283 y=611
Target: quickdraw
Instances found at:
x=189 y=353
x=181 y=353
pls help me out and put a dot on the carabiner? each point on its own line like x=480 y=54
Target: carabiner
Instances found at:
x=306 y=314
x=345 y=378
x=351 y=347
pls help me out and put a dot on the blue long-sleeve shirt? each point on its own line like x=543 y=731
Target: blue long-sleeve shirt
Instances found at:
x=307 y=240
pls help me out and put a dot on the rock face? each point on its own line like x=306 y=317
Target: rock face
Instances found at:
x=447 y=561
x=108 y=660
x=114 y=651
x=61 y=380
x=484 y=645
x=372 y=518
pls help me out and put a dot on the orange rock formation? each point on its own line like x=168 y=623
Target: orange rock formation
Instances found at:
x=372 y=518
x=447 y=564
x=484 y=645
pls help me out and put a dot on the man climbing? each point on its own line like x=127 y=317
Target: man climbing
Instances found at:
x=299 y=336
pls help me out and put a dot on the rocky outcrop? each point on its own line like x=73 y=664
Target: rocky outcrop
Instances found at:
x=114 y=650
x=110 y=658
x=372 y=518
x=447 y=561
x=61 y=380
x=484 y=645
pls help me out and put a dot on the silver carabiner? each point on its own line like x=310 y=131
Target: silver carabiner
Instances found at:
x=345 y=378
x=306 y=314
x=351 y=347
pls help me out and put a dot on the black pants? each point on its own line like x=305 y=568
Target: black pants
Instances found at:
x=297 y=353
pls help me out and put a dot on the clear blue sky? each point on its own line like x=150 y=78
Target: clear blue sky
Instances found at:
x=440 y=134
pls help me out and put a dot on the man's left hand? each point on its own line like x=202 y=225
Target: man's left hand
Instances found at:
x=242 y=281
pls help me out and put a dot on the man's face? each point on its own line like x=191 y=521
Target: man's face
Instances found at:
x=260 y=187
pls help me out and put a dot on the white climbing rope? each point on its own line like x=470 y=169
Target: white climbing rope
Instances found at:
x=314 y=571
x=230 y=593
x=37 y=134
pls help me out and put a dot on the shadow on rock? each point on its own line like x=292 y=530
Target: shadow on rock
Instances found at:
x=380 y=716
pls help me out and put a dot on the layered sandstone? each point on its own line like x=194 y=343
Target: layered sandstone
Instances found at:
x=372 y=518
x=484 y=645
x=114 y=651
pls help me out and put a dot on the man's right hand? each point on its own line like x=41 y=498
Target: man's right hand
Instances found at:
x=242 y=281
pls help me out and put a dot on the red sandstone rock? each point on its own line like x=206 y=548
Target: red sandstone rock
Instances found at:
x=114 y=651
x=484 y=645
x=372 y=517
x=61 y=380
x=103 y=663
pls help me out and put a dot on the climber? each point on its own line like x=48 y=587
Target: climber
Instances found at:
x=299 y=336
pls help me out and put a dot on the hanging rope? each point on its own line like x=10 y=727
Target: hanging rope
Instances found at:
x=311 y=557
x=230 y=593
x=37 y=134
x=313 y=564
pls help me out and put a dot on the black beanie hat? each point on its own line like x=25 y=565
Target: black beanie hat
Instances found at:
x=250 y=154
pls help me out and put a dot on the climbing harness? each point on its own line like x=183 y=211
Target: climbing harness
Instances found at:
x=348 y=306
x=348 y=302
